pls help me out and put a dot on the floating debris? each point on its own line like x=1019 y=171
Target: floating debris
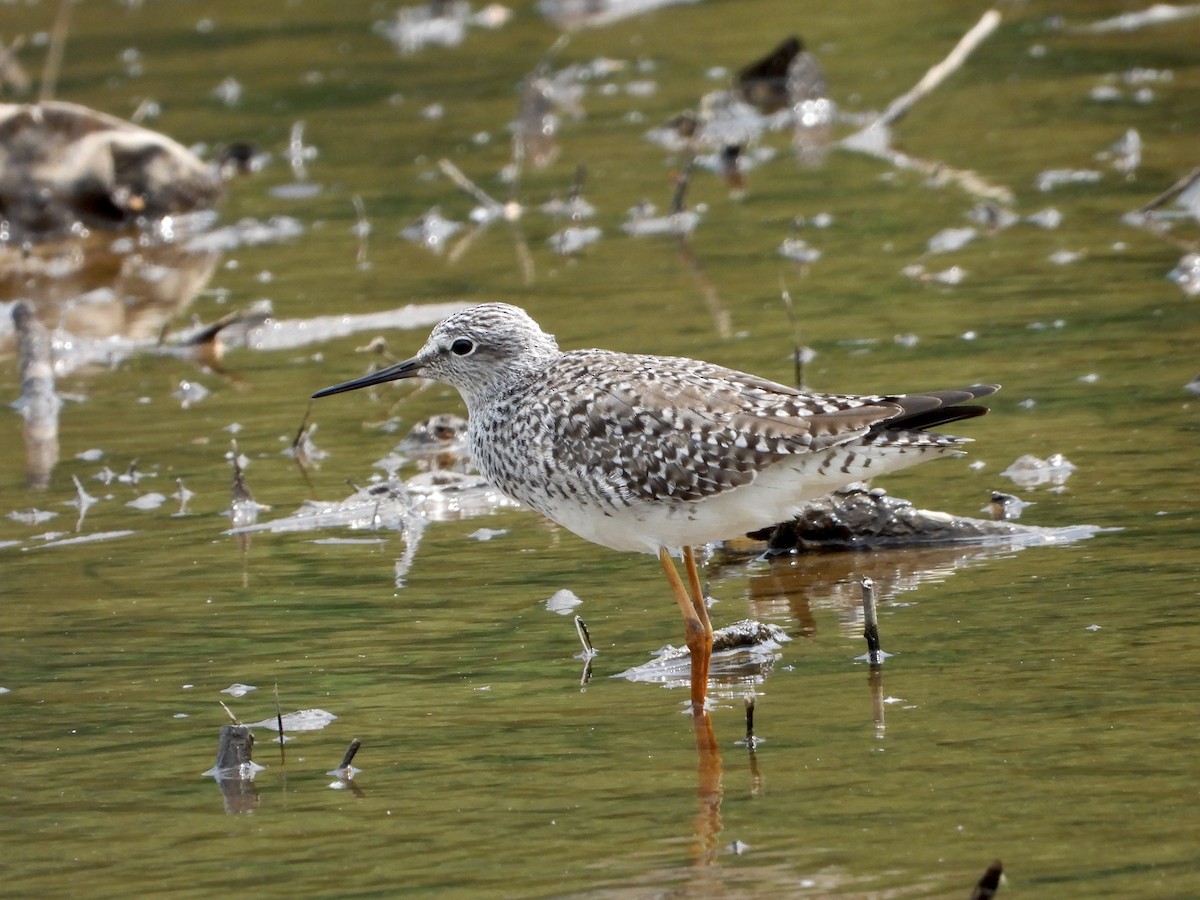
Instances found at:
x=93 y=538
x=1193 y=386
x=239 y=690
x=798 y=250
x=444 y=496
x=1186 y=274
x=643 y=221
x=573 y=239
x=190 y=393
x=486 y=534
x=951 y=276
x=574 y=208
x=1157 y=14
x=248 y=232
x=857 y=518
x=234 y=769
x=1005 y=507
x=83 y=501
x=1030 y=471
x=301 y=720
x=950 y=239
x=743 y=653
x=992 y=216
x=570 y=14
x=1054 y=178
x=147 y=501
x=439 y=23
x=382 y=506
x=432 y=231
x=183 y=495
x=563 y=602
x=1125 y=154
x=1065 y=257
x=32 y=516
x=1048 y=218
x=234 y=751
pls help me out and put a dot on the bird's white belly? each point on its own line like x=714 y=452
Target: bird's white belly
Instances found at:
x=776 y=495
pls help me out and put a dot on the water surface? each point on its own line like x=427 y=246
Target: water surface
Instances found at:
x=1040 y=703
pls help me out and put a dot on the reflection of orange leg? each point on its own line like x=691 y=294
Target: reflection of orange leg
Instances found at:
x=697 y=632
x=708 y=790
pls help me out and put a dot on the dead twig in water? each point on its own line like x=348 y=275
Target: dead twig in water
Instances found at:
x=12 y=73
x=510 y=212
x=938 y=73
x=1144 y=217
x=54 y=56
x=589 y=652
x=875 y=138
x=1170 y=193
x=362 y=230
x=797 y=348
x=752 y=740
x=279 y=722
x=875 y=655
x=585 y=638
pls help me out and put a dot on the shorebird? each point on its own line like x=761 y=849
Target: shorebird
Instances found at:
x=663 y=454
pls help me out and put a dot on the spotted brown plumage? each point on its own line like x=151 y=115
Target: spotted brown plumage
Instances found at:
x=656 y=453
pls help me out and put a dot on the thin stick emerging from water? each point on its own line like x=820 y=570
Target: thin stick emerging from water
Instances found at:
x=279 y=721
x=351 y=751
x=751 y=740
x=938 y=73
x=589 y=650
x=54 y=56
x=797 y=349
x=871 y=623
x=362 y=230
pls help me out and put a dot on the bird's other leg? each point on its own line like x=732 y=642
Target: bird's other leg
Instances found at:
x=701 y=608
x=695 y=632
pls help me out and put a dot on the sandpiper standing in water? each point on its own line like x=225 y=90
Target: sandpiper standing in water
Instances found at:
x=663 y=454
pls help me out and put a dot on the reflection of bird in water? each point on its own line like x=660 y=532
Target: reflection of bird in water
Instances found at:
x=657 y=454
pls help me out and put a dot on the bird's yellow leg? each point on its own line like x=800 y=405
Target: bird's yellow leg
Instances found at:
x=697 y=632
x=701 y=608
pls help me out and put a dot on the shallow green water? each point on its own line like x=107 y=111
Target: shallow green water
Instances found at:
x=1016 y=731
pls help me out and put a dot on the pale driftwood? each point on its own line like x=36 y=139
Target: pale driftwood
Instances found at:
x=938 y=73
x=875 y=138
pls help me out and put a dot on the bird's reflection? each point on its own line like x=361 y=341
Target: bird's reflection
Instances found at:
x=709 y=791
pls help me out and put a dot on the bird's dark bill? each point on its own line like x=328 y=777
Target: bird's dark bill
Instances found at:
x=410 y=368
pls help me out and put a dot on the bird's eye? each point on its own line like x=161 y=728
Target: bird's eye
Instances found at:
x=462 y=347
